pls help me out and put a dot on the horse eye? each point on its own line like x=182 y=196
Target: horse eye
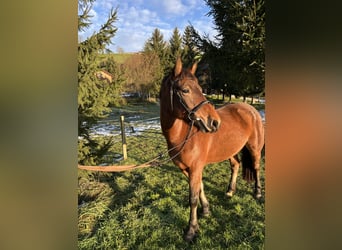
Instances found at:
x=185 y=91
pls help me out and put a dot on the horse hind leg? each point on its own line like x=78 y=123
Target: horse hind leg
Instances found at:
x=257 y=188
x=251 y=168
x=234 y=164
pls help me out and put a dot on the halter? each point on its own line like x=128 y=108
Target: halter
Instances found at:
x=191 y=112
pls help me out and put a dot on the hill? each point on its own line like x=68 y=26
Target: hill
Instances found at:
x=119 y=57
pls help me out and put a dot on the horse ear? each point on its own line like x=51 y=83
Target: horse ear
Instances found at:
x=178 y=67
x=193 y=68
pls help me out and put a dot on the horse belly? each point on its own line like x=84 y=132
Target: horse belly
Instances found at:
x=225 y=146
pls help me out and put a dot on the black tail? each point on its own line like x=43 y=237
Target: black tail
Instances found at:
x=248 y=171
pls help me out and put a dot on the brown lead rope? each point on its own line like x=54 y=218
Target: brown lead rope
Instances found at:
x=153 y=162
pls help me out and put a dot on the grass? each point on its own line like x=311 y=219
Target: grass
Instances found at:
x=148 y=208
x=122 y=57
x=119 y=57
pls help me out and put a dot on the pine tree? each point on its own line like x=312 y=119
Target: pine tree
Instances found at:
x=156 y=46
x=252 y=28
x=190 y=49
x=175 y=45
x=94 y=95
x=237 y=60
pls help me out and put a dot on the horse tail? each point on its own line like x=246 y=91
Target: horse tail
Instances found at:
x=248 y=171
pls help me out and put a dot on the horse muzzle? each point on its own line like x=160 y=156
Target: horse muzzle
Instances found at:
x=209 y=126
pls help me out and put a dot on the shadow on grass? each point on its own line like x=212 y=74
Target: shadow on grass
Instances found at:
x=137 y=191
x=151 y=210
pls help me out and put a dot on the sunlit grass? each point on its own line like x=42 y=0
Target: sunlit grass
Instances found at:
x=148 y=208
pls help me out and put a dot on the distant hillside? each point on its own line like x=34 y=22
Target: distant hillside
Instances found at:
x=119 y=57
x=122 y=57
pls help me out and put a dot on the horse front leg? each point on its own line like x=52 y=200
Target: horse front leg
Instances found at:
x=203 y=198
x=195 y=180
x=234 y=164
x=204 y=201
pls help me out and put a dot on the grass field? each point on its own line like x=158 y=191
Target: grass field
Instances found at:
x=148 y=208
x=119 y=57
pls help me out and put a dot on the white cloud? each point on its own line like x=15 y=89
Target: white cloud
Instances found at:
x=137 y=19
x=129 y=42
x=135 y=15
x=205 y=27
x=135 y=26
x=174 y=7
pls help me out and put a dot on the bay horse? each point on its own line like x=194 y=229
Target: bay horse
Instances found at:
x=198 y=134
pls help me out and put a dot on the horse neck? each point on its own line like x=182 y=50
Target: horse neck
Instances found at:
x=174 y=129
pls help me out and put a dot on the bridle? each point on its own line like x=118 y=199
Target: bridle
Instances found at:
x=190 y=112
x=156 y=161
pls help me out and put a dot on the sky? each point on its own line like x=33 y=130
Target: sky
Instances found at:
x=137 y=20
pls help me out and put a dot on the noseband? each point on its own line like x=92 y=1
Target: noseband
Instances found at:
x=190 y=112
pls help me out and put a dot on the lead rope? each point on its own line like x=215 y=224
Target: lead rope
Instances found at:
x=153 y=162
x=182 y=147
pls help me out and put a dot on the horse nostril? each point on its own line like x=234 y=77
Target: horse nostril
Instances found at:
x=215 y=125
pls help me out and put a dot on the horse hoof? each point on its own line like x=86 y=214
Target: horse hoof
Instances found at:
x=190 y=235
x=258 y=196
x=229 y=194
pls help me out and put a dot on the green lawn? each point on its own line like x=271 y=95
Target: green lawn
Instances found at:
x=119 y=57
x=148 y=208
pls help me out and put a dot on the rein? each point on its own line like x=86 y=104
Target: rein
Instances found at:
x=156 y=161
x=151 y=163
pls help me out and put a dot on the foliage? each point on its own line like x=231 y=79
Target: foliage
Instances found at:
x=167 y=52
x=190 y=49
x=175 y=45
x=143 y=73
x=237 y=60
x=148 y=208
x=156 y=44
x=94 y=96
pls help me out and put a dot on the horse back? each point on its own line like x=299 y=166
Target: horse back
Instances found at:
x=241 y=120
x=240 y=113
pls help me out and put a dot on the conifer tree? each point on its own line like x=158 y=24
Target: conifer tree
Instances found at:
x=175 y=45
x=94 y=95
x=156 y=46
x=237 y=60
x=190 y=49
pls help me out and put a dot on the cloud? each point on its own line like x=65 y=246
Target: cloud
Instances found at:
x=203 y=26
x=137 y=19
x=134 y=15
x=174 y=7
x=135 y=26
x=180 y=7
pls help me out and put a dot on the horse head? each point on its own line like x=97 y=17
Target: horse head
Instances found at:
x=187 y=101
